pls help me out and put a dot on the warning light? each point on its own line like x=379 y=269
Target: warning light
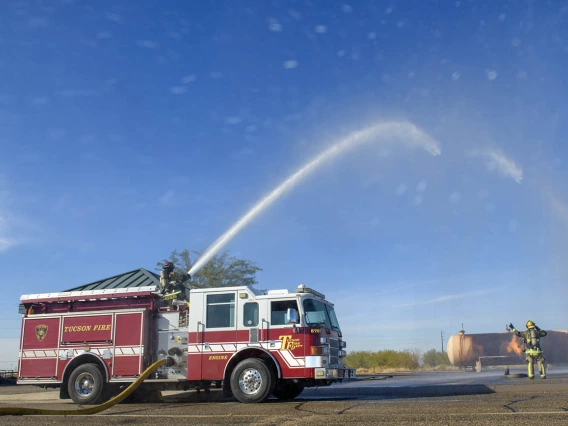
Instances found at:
x=303 y=289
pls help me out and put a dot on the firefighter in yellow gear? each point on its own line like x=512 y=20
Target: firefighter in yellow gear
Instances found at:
x=171 y=282
x=533 y=352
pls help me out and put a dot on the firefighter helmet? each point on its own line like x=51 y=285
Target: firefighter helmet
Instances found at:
x=168 y=266
x=530 y=324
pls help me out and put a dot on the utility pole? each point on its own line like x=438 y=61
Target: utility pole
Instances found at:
x=442 y=338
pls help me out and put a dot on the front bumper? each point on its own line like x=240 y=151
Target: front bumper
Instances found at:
x=334 y=373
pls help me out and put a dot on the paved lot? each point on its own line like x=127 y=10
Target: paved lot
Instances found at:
x=411 y=399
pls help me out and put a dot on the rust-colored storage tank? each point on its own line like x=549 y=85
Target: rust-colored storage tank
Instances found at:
x=465 y=350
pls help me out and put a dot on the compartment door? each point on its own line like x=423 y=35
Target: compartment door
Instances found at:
x=39 y=348
x=129 y=338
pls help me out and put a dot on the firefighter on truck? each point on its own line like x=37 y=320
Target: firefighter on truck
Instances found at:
x=172 y=283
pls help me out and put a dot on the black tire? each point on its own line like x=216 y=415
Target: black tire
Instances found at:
x=252 y=381
x=86 y=385
x=286 y=391
x=515 y=376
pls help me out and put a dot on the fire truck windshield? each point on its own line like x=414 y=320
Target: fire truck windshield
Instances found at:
x=318 y=313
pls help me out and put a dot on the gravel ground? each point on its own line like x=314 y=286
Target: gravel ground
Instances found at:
x=487 y=409
x=24 y=389
x=497 y=402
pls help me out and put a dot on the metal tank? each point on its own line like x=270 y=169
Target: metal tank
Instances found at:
x=468 y=350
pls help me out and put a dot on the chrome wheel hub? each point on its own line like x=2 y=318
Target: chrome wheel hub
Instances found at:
x=250 y=381
x=85 y=384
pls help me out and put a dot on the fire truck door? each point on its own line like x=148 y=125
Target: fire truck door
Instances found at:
x=218 y=333
x=39 y=347
x=250 y=315
x=288 y=342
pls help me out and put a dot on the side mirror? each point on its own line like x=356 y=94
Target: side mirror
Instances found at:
x=292 y=316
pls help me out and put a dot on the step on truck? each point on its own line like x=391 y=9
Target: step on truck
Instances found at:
x=251 y=343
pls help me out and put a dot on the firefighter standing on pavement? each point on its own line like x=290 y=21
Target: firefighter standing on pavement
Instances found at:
x=533 y=351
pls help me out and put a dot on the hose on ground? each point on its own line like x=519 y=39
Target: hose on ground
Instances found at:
x=21 y=411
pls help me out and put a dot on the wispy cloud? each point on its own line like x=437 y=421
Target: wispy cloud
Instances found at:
x=559 y=207
x=378 y=290
x=147 y=44
x=40 y=100
x=167 y=197
x=396 y=287
x=73 y=93
x=178 y=90
x=401 y=189
x=103 y=35
x=188 y=79
x=6 y=241
x=38 y=22
x=497 y=161
x=445 y=298
x=16 y=229
x=372 y=329
x=115 y=17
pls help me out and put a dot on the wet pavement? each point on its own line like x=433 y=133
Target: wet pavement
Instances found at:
x=415 y=398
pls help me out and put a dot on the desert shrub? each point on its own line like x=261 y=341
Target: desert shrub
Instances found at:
x=434 y=358
x=385 y=359
x=358 y=359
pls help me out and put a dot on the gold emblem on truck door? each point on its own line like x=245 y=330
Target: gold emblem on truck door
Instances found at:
x=41 y=332
x=289 y=344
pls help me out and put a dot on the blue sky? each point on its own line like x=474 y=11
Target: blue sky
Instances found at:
x=130 y=129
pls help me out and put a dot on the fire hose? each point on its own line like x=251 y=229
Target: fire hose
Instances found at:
x=21 y=411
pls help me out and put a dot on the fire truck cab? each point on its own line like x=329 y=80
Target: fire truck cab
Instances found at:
x=252 y=343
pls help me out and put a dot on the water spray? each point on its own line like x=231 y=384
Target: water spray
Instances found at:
x=405 y=132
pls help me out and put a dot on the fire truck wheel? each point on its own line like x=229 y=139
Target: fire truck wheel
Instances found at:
x=286 y=391
x=86 y=384
x=252 y=381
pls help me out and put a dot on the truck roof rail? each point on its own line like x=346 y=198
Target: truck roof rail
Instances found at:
x=62 y=295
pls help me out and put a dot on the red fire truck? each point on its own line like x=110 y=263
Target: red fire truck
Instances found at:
x=252 y=343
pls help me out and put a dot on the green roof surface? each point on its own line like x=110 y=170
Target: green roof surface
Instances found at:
x=137 y=278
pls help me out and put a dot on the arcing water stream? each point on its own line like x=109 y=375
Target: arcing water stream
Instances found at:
x=406 y=132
